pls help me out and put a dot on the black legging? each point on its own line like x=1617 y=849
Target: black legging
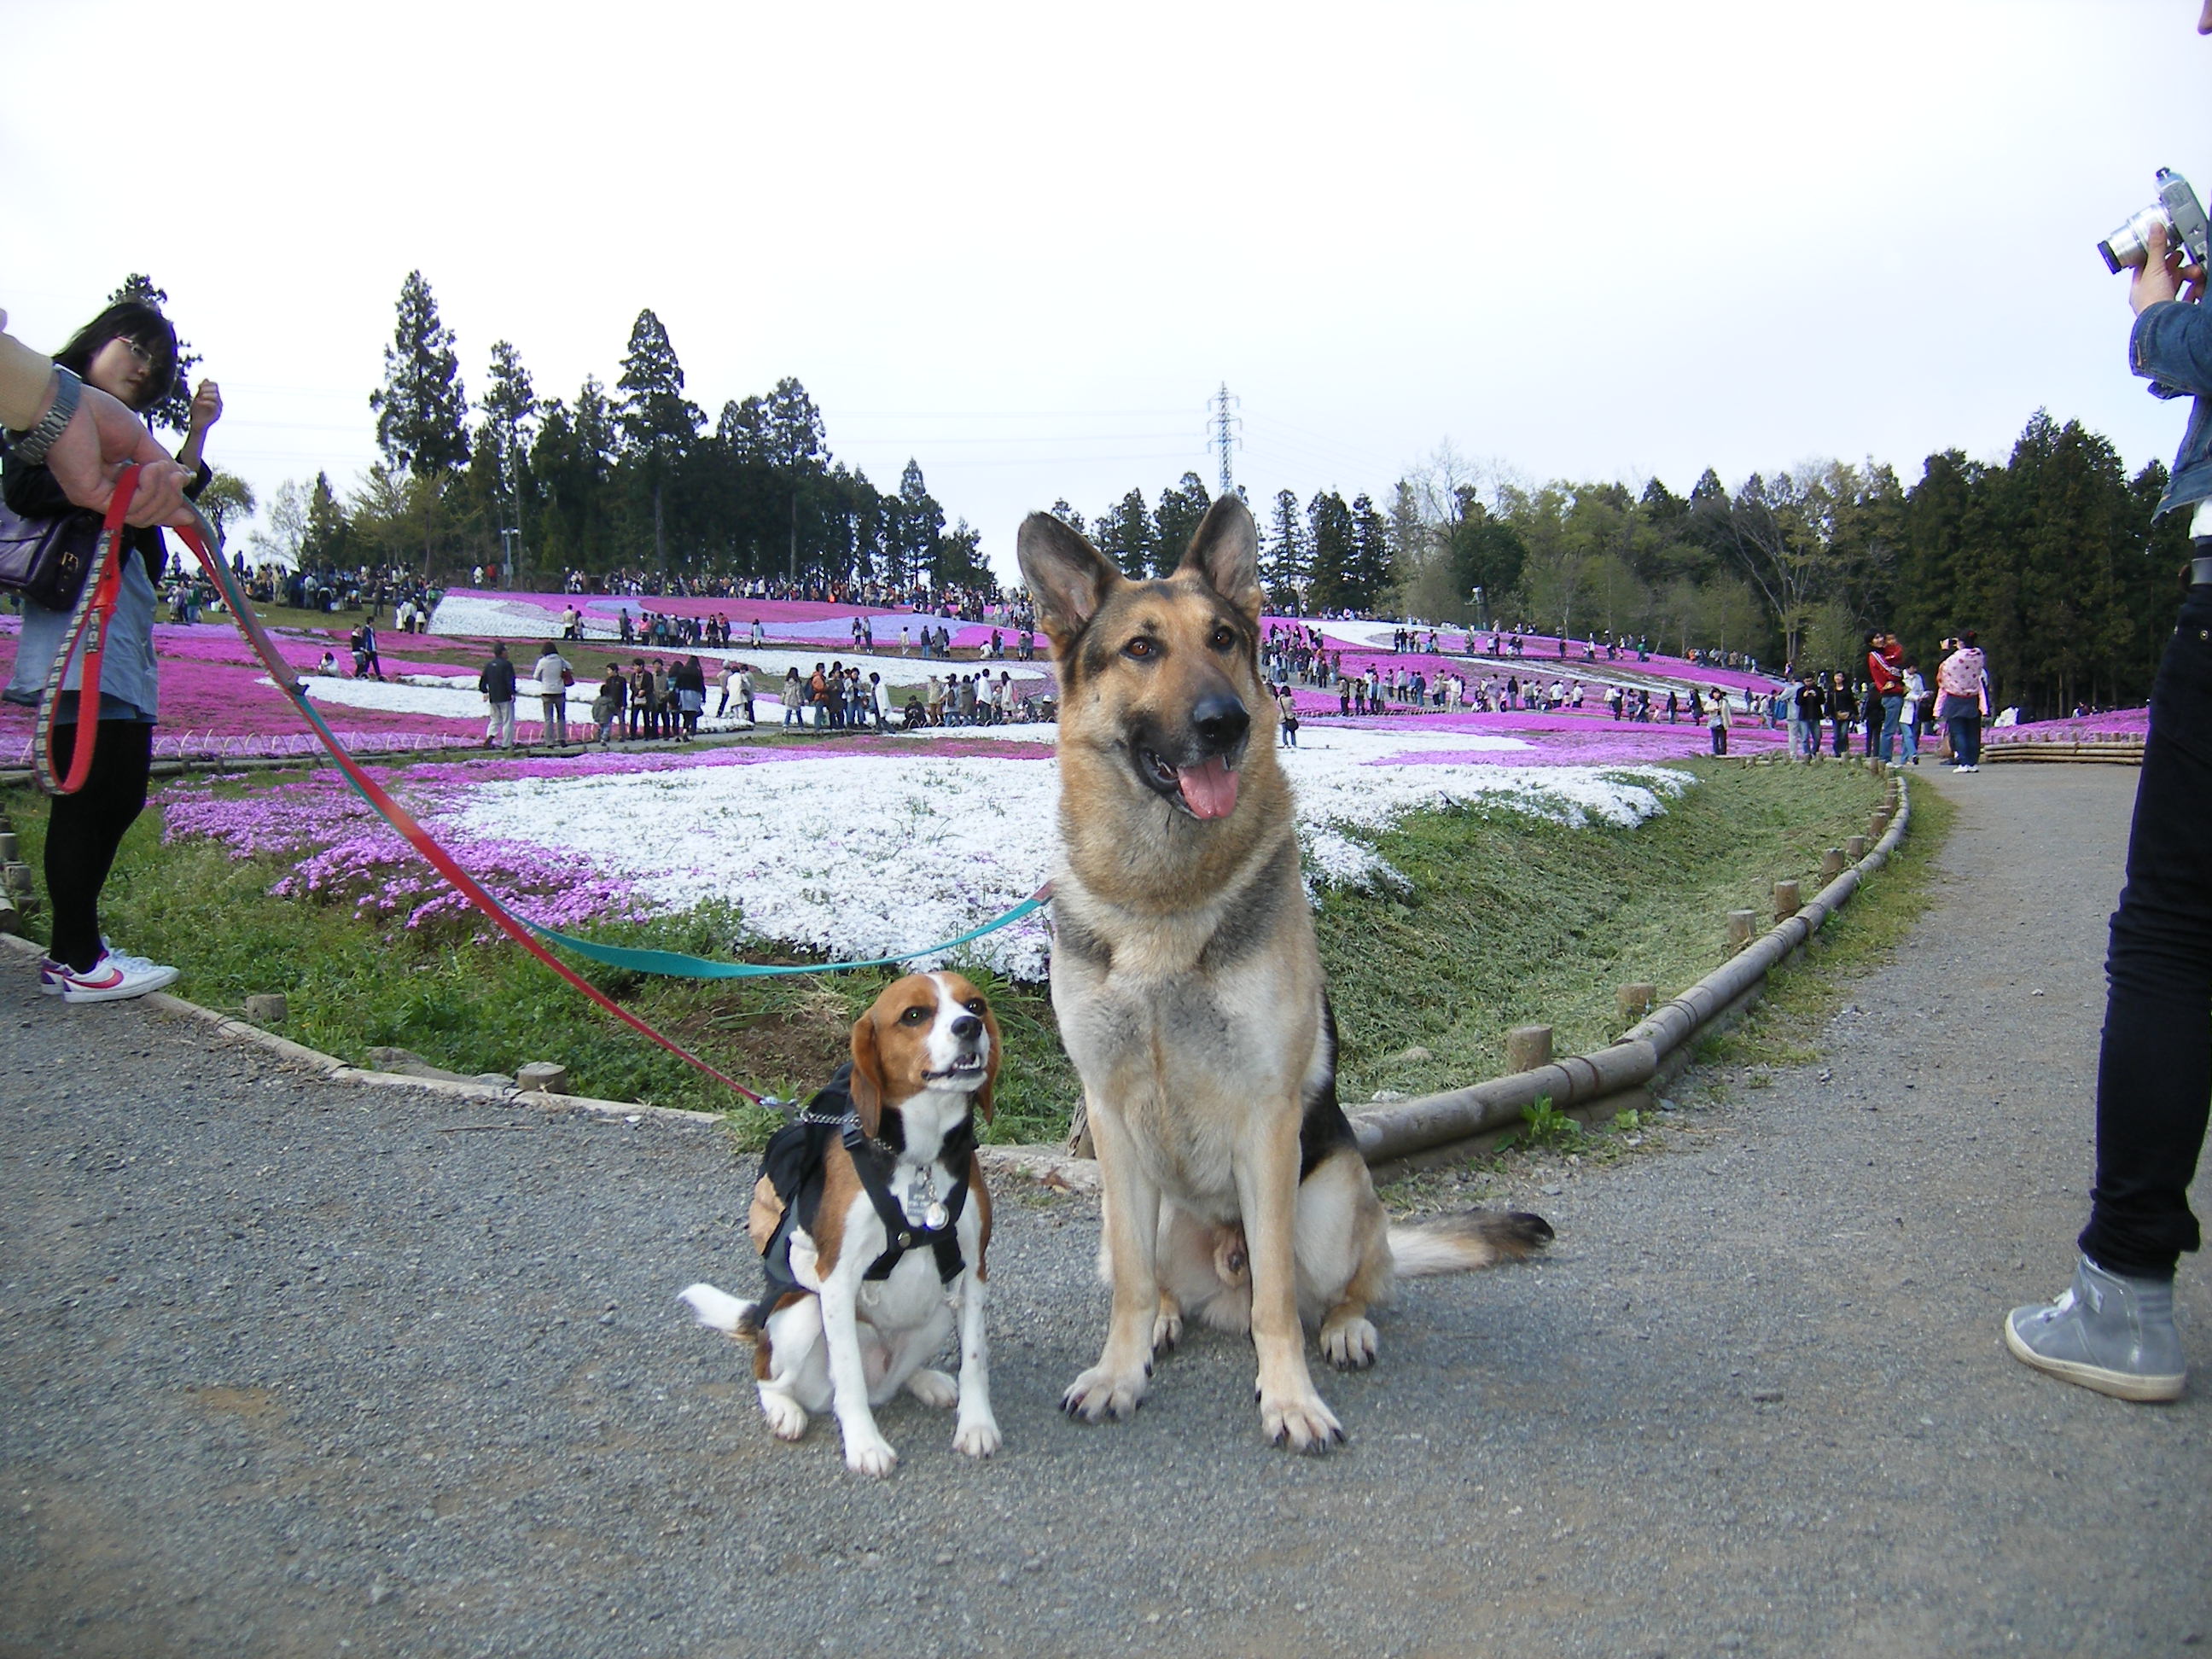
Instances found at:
x=2154 y=1071
x=84 y=829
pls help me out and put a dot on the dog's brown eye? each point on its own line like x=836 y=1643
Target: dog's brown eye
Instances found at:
x=975 y=1005
x=914 y=1016
x=1223 y=639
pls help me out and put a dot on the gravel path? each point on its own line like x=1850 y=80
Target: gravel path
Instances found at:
x=289 y=1370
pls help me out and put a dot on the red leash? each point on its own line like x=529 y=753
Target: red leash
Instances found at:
x=198 y=538
x=95 y=610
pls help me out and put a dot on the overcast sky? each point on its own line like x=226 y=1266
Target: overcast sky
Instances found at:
x=1025 y=245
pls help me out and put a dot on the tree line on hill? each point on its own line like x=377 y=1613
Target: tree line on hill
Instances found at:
x=2051 y=555
x=630 y=477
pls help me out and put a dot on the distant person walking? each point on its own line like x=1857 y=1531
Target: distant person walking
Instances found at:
x=553 y=677
x=1963 y=685
x=1809 y=707
x=1909 y=714
x=607 y=706
x=496 y=682
x=1719 y=720
x=1841 y=705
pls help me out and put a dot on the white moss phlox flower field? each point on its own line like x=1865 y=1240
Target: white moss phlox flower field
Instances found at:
x=868 y=854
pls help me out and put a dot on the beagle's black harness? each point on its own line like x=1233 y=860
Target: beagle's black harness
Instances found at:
x=793 y=1164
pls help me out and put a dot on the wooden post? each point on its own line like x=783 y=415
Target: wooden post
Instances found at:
x=1855 y=848
x=1636 y=999
x=1741 y=925
x=1832 y=864
x=1786 y=900
x=11 y=851
x=1528 y=1046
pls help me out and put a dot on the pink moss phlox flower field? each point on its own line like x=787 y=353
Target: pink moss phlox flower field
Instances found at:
x=2077 y=728
x=345 y=852
x=213 y=701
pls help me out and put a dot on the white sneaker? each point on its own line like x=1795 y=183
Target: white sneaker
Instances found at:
x=113 y=978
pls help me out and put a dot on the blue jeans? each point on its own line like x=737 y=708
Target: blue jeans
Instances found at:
x=1892 y=709
x=1908 y=731
x=1966 y=732
x=2154 y=1071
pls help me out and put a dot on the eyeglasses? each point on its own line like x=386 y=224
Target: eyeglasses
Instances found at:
x=143 y=354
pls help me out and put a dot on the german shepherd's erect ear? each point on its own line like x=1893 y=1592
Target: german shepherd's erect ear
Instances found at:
x=1068 y=578
x=1224 y=555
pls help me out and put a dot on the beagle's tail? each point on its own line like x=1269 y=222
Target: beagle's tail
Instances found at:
x=1461 y=1242
x=719 y=1310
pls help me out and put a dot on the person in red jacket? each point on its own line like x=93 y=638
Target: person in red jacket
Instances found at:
x=1886 y=678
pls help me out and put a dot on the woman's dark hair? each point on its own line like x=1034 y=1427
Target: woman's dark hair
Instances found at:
x=1968 y=638
x=134 y=320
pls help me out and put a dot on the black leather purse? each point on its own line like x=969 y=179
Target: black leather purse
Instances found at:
x=45 y=560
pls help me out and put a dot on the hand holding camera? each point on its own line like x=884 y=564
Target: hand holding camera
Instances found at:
x=2165 y=243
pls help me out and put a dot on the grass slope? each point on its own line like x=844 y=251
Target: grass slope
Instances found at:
x=1509 y=921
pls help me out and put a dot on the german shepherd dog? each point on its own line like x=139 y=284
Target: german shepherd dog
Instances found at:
x=1189 y=994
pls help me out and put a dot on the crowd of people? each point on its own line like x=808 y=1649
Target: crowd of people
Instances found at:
x=965 y=603
x=1891 y=704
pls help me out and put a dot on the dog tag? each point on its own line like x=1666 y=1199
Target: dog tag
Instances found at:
x=935 y=1217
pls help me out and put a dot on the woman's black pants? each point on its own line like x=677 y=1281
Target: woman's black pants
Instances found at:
x=2155 y=1073
x=84 y=829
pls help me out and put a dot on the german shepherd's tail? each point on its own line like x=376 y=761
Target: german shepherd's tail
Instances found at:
x=720 y=1311
x=1473 y=1238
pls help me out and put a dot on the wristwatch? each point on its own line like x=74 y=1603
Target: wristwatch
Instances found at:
x=31 y=447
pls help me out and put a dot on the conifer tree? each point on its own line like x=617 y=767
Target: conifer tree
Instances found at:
x=1176 y=521
x=1330 y=586
x=510 y=408
x=920 y=524
x=657 y=423
x=421 y=410
x=1369 y=574
x=1126 y=534
x=1284 y=562
x=323 y=542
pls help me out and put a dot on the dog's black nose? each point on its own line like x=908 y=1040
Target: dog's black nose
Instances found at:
x=1220 y=722
x=966 y=1026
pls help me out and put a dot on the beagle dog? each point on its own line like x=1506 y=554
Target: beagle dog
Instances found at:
x=872 y=1219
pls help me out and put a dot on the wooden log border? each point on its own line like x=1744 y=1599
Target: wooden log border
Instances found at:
x=1402 y=1135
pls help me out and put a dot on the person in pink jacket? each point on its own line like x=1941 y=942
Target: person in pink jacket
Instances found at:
x=1962 y=700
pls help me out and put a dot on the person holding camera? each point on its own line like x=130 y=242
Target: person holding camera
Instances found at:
x=127 y=353
x=2112 y=1330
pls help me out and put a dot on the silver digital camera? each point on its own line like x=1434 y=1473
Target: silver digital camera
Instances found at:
x=2177 y=210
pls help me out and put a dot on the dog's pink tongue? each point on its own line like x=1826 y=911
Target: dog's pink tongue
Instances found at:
x=1210 y=791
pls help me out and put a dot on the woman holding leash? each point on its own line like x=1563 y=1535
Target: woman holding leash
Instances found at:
x=130 y=352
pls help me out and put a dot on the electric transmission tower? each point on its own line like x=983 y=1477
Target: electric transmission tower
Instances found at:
x=1227 y=424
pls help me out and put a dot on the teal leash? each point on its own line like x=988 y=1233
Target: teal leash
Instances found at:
x=674 y=965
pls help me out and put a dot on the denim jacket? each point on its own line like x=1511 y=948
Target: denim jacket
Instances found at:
x=2171 y=346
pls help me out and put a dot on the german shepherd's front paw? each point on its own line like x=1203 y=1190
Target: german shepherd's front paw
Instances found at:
x=1302 y=1422
x=1167 y=1328
x=1348 y=1344
x=1099 y=1393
